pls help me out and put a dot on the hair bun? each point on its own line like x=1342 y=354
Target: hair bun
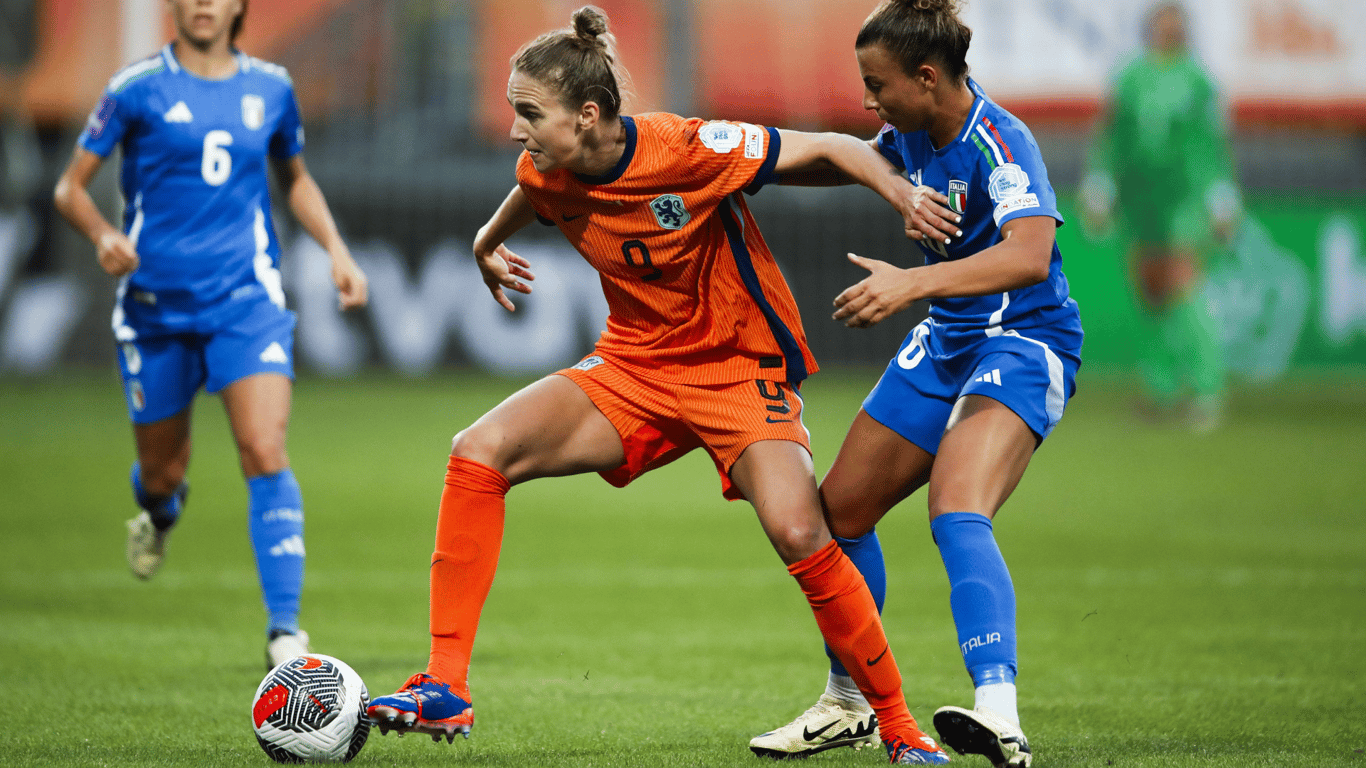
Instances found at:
x=932 y=6
x=590 y=23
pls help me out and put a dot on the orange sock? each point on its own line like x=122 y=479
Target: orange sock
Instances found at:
x=469 y=535
x=848 y=618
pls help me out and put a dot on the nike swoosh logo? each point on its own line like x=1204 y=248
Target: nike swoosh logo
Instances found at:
x=871 y=662
x=772 y=420
x=809 y=735
x=570 y=218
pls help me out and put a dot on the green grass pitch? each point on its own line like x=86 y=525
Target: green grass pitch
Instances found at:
x=1183 y=600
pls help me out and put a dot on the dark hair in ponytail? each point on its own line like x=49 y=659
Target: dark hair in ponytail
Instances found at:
x=580 y=62
x=916 y=31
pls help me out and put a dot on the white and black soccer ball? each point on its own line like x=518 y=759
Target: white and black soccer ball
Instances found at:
x=311 y=709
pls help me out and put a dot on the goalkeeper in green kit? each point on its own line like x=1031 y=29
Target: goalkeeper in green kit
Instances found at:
x=1161 y=162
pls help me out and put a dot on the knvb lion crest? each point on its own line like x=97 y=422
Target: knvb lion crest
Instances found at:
x=669 y=211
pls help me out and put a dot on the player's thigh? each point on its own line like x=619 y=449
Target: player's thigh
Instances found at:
x=258 y=409
x=875 y=470
x=1014 y=396
x=549 y=428
x=982 y=457
x=778 y=478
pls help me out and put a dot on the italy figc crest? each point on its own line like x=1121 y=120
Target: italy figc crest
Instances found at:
x=958 y=195
x=253 y=111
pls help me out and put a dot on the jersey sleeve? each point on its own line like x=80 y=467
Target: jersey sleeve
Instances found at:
x=1018 y=181
x=886 y=144
x=288 y=138
x=108 y=122
x=728 y=157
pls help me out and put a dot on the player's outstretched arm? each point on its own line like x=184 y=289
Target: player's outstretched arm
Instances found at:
x=498 y=265
x=1021 y=259
x=309 y=206
x=826 y=159
x=72 y=198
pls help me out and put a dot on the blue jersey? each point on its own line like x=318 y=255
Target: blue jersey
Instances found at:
x=194 y=176
x=991 y=173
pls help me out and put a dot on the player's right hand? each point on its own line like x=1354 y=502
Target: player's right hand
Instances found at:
x=927 y=215
x=116 y=253
x=501 y=269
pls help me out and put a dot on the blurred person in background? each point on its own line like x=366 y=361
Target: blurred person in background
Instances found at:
x=1160 y=163
x=199 y=300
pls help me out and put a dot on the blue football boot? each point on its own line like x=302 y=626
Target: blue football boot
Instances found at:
x=425 y=705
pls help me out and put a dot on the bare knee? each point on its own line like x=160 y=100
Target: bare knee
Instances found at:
x=263 y=455
x=795 y=542
x=161 y=478
x=484 y=443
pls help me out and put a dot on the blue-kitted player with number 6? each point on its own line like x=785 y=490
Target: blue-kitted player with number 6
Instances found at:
x=200 y=302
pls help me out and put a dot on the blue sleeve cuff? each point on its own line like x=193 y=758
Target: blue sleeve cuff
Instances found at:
x=767 y=174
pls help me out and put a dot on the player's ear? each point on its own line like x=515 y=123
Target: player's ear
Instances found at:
x=588 y=115
x=927 y=76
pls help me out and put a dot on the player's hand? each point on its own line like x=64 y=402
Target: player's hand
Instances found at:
x=501 y=269
x=884 y=292
x=353 y=289
x=116 y=253
x=927 y=215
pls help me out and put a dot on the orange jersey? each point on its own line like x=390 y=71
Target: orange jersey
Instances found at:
x=694 y=293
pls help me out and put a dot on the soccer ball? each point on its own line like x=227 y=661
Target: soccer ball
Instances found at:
x=311 y=709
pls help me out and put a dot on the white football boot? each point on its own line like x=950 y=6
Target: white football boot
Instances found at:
x=983 y=732
x=830 y=723
x=146 y=546
x=284 y=646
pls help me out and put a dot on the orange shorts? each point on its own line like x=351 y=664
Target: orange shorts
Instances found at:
x=659 y=422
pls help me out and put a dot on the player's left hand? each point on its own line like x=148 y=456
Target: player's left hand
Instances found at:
x=353 y=289
x=928 y=216
x=884 y=292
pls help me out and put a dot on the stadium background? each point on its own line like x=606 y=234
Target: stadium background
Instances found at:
x=1185 y=600
x=406 y=116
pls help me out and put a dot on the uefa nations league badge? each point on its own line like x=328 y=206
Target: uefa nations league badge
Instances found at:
x=958 y=196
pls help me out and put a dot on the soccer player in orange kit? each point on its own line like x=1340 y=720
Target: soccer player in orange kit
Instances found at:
x=703 y=348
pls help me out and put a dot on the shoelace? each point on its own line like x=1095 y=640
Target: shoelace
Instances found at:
x=417 y=680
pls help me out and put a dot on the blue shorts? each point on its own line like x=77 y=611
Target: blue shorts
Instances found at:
x=165 y=360
x=1032 y=372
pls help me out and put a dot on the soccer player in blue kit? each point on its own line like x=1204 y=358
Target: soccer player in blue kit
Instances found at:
x=974 y=389
x=199 y=300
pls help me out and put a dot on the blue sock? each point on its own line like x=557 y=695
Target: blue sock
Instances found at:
x=866 y=554
x=277 y=537
x=980 y=594
x=164 y=510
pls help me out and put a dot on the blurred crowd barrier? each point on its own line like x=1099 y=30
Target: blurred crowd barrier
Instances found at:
x=406 y=115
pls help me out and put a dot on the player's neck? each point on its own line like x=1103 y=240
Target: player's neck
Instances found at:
x=215 y=61
x=603 y=154
x=954 y=108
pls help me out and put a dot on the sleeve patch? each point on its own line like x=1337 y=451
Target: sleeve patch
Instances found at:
x=1008 y=181
x=721 y=138
x=754 y=141
x=99 y=117
x=1014 y=204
